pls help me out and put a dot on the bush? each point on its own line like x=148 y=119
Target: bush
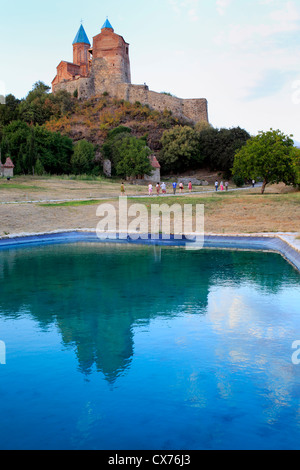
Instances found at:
x=238 y=180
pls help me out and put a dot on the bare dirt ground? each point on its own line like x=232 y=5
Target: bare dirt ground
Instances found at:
x=236 y=212
x=42 y=189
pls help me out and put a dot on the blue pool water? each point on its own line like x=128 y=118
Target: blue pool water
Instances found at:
x=122 y=347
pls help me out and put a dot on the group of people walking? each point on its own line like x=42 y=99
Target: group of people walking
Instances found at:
x=163 y=188
x=222 y=186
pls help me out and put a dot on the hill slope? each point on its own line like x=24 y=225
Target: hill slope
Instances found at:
x=92 y=119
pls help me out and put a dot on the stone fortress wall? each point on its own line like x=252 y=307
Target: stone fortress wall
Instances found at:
x=194 y=110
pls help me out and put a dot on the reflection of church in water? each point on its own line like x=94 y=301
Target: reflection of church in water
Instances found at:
x=109 y=292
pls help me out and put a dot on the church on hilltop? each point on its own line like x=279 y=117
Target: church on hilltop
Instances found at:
x=105 y=67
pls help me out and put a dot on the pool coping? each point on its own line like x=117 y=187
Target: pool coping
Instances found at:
x=285 y=244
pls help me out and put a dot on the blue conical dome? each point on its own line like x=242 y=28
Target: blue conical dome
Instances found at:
x=107 y=25
x=81 y=36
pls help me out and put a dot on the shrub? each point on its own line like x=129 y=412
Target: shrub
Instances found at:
x=238 y=180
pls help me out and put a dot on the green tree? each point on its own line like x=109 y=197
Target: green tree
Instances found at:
x=18 y=168
x=296 y=164
x=219 y=146
x=4 y=150
x=54 y=150
x=40 y=105
x=39 y=169
x=111 y=148
x=180 y=149
x=39 y=88
x=30 y=155
x=9 y=111
x=134 y=159
x=15 y=137
x=83 y=157
x=63 y=103
x=202 y=126
x=269 y=156
x=24 y=142
x=36 y=107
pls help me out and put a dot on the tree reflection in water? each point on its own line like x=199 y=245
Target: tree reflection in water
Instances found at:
x=97 y=293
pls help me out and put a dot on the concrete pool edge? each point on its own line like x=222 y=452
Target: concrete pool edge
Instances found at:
x=285 y=244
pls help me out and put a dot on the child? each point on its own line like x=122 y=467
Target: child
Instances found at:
x=158 y=188
x=190 y=186
x=163 y=188
x=150 y=189
x=181 y=187
x=122 y=189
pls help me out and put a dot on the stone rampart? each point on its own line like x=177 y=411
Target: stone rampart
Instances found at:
x=101 y=81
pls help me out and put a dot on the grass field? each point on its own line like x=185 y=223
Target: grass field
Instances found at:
x=247 y=211
x=23 y=187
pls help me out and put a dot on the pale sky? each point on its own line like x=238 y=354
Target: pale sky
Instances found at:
x=242 y=56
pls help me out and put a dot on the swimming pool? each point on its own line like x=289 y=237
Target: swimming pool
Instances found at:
x=112 y=346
